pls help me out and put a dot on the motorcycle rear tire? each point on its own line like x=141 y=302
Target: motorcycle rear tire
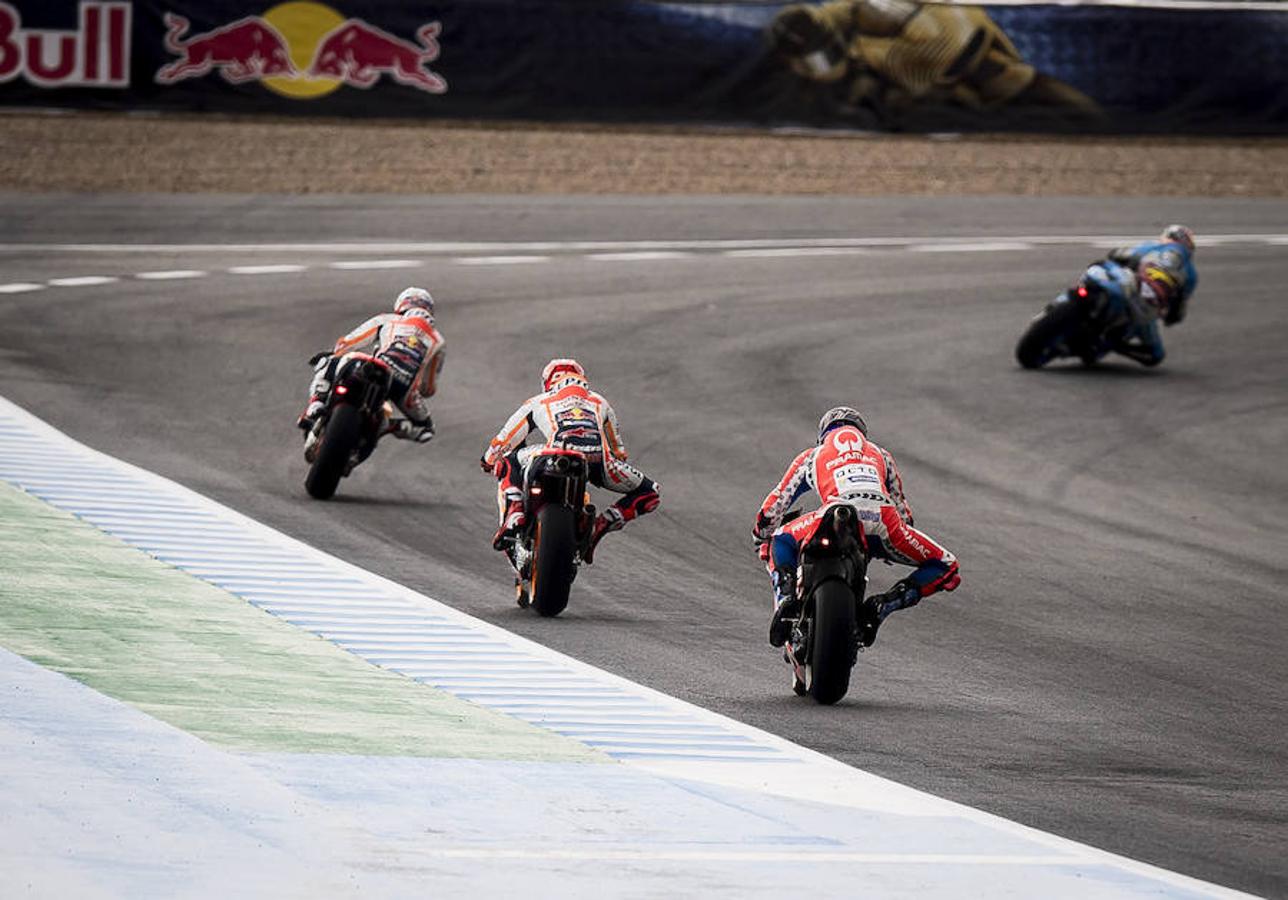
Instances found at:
x=343 y=432
x=1034 y=348
x=553 y=548
x=832 y=647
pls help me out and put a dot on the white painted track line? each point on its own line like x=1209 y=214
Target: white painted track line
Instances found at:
x=171 y=275
x=450 y=248
x=499 y=260
x=376 y=264
x=771 y=252
x=979 y=247
x=82 y=281
x=597 y=251
x=267 y=270
x=637 y=256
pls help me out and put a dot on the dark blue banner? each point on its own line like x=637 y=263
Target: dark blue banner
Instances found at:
x=883 y=64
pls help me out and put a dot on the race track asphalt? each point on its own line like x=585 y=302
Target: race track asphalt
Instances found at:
x=1112 y=668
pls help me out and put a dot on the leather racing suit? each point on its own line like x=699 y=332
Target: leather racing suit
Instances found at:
x=1167 y=278
x=848 y=468
x=571 y=417
x=894 y=54
x=410 y=345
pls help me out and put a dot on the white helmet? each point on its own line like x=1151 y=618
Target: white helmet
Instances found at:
x=414 y=298
x=559 y=370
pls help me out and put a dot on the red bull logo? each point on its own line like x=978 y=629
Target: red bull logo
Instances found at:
x=303 y=50
x=96 y=54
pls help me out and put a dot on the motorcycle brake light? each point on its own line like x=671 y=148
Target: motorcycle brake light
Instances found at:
x=1082 y=290
x=536 y=489
x=826 y=542
x=341 y=389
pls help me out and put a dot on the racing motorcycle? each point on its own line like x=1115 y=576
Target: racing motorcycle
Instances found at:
x=357 y=413
x=1083 y=321
x=836 y=620
x=558 y=523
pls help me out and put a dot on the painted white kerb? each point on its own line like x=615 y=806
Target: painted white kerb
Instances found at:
x=399 y=629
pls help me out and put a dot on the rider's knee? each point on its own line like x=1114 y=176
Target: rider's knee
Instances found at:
x=939 y=575
x=641 y=501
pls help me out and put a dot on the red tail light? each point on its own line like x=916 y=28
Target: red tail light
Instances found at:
x=1082 y=290
x=826 y=542
x=342 y=389
x=536 y=489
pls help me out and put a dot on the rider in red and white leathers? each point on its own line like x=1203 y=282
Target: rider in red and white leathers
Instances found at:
x=846 y=467
x=409 y=343
x=571 y=417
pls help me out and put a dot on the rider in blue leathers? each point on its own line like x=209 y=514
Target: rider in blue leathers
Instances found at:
x=1166 y=277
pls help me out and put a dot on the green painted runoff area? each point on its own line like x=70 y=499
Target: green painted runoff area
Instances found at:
x=82 y=603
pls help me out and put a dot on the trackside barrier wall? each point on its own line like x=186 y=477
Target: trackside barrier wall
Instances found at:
x=887 y=64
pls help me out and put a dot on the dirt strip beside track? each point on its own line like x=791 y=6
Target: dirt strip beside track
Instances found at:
x=113 y=152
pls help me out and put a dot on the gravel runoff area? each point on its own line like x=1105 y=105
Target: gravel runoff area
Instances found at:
x=190 y=153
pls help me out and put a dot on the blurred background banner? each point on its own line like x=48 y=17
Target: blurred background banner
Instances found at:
x=878 y=64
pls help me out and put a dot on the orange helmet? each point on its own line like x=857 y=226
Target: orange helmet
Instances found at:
x=558 y=370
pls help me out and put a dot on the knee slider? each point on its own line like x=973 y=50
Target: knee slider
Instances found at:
x=948 y=581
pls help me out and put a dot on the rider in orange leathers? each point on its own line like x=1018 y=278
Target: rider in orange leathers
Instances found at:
x=409 y=343
x=571 y=417
x=845 y=467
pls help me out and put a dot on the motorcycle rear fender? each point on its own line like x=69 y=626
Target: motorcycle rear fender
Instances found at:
x=849 y=570
x=835 y=551
x=555 y=477
x=363 y=381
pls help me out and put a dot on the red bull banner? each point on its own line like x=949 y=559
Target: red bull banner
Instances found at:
x=875 y=64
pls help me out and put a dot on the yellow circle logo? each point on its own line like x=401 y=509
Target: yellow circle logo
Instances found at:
x=302 y=25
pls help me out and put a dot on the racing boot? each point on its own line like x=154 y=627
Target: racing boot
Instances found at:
x=310 y=414
x=511 y=522
x=407 y=430
x=610 y=519
x=787 y=606
x=901 y=595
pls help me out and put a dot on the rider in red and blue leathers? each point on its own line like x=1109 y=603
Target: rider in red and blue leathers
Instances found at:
x=1166 y=279
x=846 y=467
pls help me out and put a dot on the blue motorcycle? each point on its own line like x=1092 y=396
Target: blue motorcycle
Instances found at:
x=1084 y=322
